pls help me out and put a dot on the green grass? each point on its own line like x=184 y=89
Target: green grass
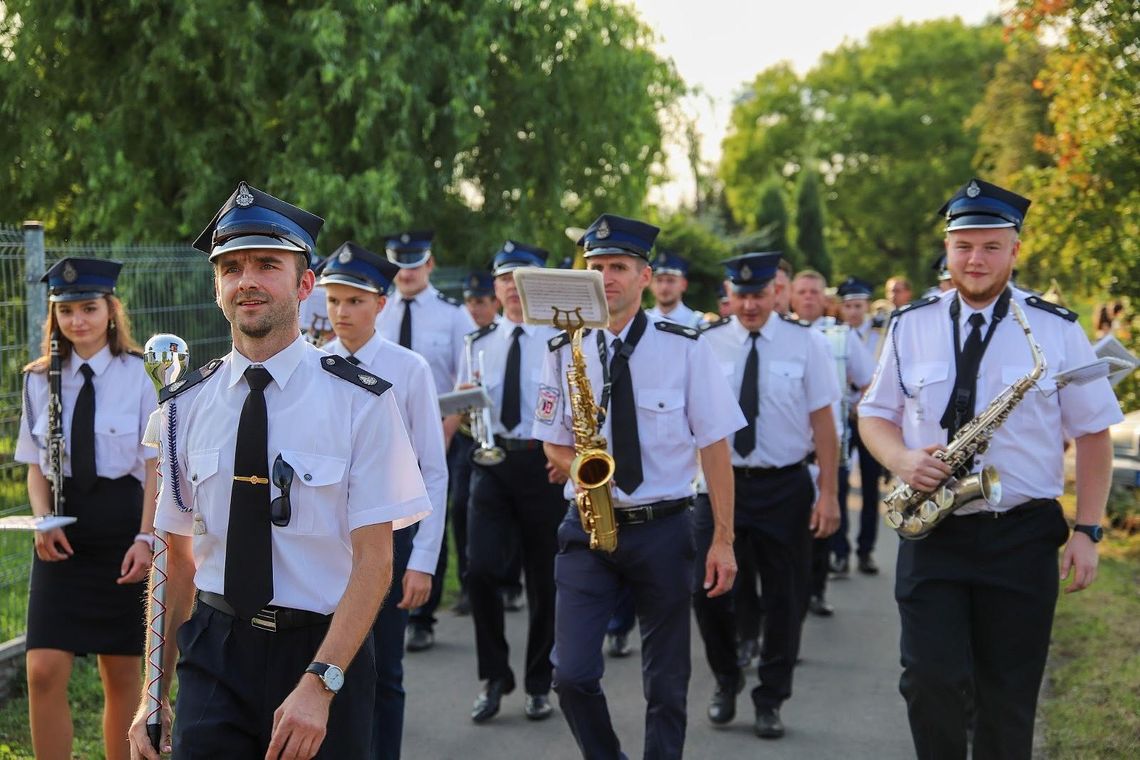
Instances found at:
x=86 y=697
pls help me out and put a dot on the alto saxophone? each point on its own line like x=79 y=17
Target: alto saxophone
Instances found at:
x=914 y=514
x=593 y=467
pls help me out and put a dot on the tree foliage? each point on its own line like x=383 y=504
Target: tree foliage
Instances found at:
x=809 y=224
x=705 y=251
x=482 y=119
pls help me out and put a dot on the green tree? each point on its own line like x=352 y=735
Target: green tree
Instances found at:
x=483 y=120
x=704 y=249
x=772 y=216
x=809 y=224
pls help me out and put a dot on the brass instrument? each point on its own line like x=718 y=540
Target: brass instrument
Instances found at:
x=914 y=514
x=592 y=469
x=479 y=421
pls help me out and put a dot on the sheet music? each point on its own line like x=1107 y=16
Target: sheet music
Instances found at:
x=544 y=290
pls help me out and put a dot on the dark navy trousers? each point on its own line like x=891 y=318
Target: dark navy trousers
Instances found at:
x=655 y=561
x=388 y=639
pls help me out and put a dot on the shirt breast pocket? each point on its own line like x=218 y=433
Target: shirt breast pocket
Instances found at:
x=117 y=437
x=318 y=489
x=209 y=493
x=667 y=407
x=785 y=379
x=927 y=383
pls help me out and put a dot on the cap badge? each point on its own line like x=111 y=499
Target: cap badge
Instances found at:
x=244 y=197
x=367 y=379
x=345 y=256
x=603 y=231
x=509 y=246
x=69 y=273
x=973 y=191
x=745 y=273
x=405 y=238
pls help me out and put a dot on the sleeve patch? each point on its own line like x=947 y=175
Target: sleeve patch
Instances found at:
x=548 y=398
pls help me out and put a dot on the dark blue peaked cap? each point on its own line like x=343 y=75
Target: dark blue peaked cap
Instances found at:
x=667 y=262
x=750 y=272
x=409 y=250
x=479 y=282
x=853 y=288
x=358 y=267
x=616 y=235
x=514 y=254
x=73 y=279
x=981 y=205
x=251 y=218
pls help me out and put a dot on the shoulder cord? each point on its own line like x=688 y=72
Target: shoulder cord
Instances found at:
x=175 y=475
x=898 y=365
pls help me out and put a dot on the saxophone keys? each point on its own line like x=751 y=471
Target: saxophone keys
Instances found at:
x=893 y=518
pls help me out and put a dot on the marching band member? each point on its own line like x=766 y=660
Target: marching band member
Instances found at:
x=433 y=325
x=976 y=595
x=515 y=505
x=86 y=591
x=288 y=469
x=668 y=402
x=898 y=291
x=783 y=374
x=355 y=281
x=670 y=281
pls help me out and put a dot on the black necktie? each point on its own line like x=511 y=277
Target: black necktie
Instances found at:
x=960 y=407
x=351 y=359
x=745 y=440
x=511 y=413
x=623 y=411
x=249 y=546
x=406 y=325
x=83 y=433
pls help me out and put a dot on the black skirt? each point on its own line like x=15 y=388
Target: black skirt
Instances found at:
x=75 y=604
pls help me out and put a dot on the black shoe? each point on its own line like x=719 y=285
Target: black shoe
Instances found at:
x=617 y=645
x=839 y=567
x=537 y=707
x=462 y=605
x=867 y=565
x=746 y=652
x=768 y=724
x=817 y=606
x=722 y=706
x=419 y=639
x=487 y=703
x=513 y=600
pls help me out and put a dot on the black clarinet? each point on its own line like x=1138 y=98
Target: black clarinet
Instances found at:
x=55 y=426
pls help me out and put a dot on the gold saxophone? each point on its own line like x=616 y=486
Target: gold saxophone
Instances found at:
x=593 y=467
x=914 y=514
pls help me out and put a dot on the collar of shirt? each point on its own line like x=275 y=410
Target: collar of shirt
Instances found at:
x=507 y=328
x=99 y=362
x=967 y=311
x=366 y=353
x=428 y=291
x=610 y=336
x=767 y=330
x=280 y=365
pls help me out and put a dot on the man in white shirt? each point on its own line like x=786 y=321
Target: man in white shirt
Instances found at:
x=670 y=281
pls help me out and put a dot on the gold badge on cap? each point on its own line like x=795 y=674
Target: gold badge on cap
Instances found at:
x=973 y=191
x=69 y=273
x=244 y=197
x=603 y=230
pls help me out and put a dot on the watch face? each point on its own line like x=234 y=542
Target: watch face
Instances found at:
x=333 y=678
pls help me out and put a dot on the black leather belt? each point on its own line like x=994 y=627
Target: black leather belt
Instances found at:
x=269 y=619
x=1024 y=508
x=517 y=444
x=767 y=472
x=649 y=512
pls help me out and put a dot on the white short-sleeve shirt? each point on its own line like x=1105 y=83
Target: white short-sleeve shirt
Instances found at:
x=439 y=325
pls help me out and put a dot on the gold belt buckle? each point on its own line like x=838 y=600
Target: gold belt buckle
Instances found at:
x=266 y=620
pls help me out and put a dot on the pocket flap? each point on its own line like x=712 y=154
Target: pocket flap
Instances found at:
x=921 y=374
x=314 y=469
x=115 y=424
x=203 y=464
x=660 y=400
x=790 y=370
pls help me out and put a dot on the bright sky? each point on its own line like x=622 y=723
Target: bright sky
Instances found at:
x=720 y=45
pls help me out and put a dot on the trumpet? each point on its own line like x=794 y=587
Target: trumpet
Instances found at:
x=480 y=422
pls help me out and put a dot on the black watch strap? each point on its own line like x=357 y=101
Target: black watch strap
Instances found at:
x=1094 y=532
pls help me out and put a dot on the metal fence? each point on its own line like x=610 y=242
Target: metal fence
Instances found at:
x=166 y=288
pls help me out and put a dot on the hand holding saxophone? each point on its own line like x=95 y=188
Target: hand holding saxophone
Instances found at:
x=920 y=469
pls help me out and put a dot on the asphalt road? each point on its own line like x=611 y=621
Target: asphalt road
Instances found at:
x=845 y=703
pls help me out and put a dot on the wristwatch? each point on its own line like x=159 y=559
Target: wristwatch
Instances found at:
x=331 y=676
x=1094 y=532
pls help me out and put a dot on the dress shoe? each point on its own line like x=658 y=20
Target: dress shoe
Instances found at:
x=839 y=567
x=487 y=703
x=419 y=639
x=617 y=645
x=722 y=706
x=512 y=600
x=746 y=652
x=817 y=606
x=768 y=724
x=537 y=707
x=462 y=605
x=867 y=565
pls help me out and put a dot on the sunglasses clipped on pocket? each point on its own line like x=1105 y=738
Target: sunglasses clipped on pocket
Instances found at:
x=280 y=510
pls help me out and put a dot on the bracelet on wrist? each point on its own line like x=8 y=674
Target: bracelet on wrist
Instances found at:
x=146 y=538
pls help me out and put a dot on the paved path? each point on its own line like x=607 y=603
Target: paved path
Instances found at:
x=846 y=702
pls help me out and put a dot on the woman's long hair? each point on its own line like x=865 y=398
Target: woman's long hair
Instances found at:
x=118 y=335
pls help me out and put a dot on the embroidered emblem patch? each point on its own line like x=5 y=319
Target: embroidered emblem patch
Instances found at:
x=548 y=398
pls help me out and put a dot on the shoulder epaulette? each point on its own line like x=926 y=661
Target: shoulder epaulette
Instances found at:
x=794 y=321
x=191 y=379
x=1060 y=311
x=558 y=341
x=448 y=299
x=346 y=370
x=714 y=324
x=475 y=335
x=914 y=305
x=691 y=333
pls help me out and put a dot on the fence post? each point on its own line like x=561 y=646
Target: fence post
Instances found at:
x=35 y=294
